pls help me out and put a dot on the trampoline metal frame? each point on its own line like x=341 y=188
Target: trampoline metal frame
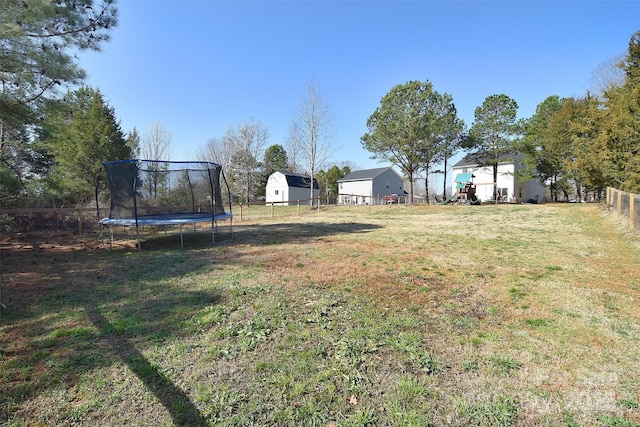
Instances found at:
x=163 y=220
x=180 y=219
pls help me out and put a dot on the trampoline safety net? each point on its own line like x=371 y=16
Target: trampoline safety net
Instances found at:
x=158 y=192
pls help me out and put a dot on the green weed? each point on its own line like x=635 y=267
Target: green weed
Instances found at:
x=504 y=364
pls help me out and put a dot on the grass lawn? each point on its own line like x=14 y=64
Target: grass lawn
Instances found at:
x=523 y=315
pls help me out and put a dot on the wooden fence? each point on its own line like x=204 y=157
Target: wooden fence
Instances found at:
x=626 y=206
x=40 y=218
x=85 y=219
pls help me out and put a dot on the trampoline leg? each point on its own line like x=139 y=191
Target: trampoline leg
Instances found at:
x=181 y=239
x=138 y=234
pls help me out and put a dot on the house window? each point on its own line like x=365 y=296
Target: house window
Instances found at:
x=388 y=184
x=277 y=192
x=464 y=170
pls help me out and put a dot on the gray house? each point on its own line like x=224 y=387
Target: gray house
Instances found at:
x=369 y=186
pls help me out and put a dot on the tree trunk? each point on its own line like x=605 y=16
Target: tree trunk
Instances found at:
x=578 y=189
x=444 y=186
x=426 y=189
x=410 y=189
x=495 y=183
x=426 y=185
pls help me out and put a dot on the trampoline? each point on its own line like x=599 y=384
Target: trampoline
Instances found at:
x=162 y=193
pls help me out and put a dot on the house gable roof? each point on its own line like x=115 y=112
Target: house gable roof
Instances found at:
x=475 y=159
x=365 y=174
x=298 y=180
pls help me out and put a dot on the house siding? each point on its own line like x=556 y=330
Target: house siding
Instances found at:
x=365 y=191
x=513 y=190
x=356 y=192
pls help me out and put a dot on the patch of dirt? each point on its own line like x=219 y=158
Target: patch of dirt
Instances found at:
x=30 y=262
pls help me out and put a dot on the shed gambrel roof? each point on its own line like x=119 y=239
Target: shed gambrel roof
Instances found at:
x=365 y=174
x=299 y=181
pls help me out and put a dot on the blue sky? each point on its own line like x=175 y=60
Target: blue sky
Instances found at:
x=200 y=66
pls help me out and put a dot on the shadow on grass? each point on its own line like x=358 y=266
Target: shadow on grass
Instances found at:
x=75 y=312
x=284 y=233
x=256 y=234
x=178 y=404
x=66 y=307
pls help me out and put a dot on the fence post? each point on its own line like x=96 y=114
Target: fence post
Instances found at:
x=619 y=203
x=80 y=220
x=632 y=208
x=298 y=207
x=240 y=211
x=272 y=210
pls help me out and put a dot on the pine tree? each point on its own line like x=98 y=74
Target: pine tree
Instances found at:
x=82 y=137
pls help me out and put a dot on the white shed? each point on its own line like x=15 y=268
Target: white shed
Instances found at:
x=510 y=189
x=365 y=186
x=285 y=188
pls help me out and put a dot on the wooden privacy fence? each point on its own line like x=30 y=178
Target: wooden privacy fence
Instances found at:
x=626 y=206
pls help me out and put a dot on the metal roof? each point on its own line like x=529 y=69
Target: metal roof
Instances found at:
x=365 y=174
x=298 y=180
x=475 y=159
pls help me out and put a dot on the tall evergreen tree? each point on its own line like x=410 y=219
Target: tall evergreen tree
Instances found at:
x=39 y=41
x=588 y=161
x=410 y=127
x=494 y=132
x=540 y=159
x=621 y=124
x=83 y=135
x=275 y=158
x=328 y=181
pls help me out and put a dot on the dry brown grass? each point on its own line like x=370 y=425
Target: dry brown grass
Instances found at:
x=530 y=313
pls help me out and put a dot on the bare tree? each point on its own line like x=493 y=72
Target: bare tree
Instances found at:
x=349 y=165
x=216 y=150
x=293 y=151
x=156 y=144
x=607 y=75
x=244 y=144
x=312 y=132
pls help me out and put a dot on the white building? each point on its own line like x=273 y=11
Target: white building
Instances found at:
x=285 y=188
x=510 y=189
x=369 y=186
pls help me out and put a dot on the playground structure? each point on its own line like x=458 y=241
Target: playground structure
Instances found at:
x=465 y=190
x=162 y=193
